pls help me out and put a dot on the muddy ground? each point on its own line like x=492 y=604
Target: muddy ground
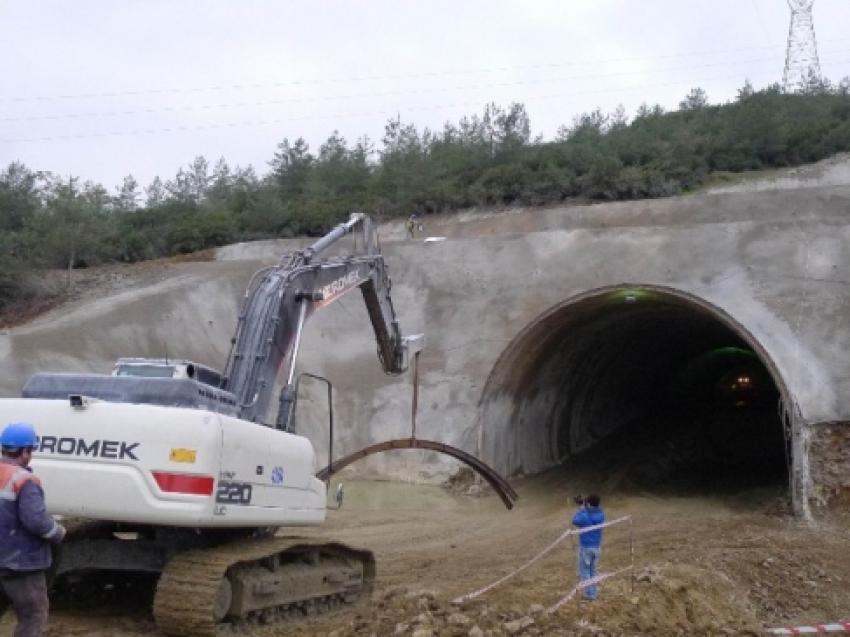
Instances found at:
x=708 y=565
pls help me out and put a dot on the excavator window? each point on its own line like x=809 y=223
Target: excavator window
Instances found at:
x=146 y=371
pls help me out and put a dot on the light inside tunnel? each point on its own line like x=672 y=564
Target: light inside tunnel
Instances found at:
x=644 y=388
x=632 y=295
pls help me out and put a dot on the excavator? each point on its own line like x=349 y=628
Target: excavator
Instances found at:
x=180 y=473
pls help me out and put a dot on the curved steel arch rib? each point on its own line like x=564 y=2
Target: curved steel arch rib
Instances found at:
x=499 y=484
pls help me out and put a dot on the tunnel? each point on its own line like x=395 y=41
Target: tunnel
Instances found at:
x=637 y=387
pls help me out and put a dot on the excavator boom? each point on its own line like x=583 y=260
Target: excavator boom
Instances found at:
x=279 y=301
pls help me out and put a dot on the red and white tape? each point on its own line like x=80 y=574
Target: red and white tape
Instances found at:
x=817 y=629
x=585 y=584
x=561 y=538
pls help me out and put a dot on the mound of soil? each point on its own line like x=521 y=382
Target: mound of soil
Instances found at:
x=666 y=600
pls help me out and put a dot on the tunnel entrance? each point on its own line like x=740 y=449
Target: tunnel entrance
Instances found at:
x=640 y=387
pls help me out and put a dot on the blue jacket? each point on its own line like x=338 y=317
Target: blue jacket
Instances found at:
x=26 y=529
x=589 y=516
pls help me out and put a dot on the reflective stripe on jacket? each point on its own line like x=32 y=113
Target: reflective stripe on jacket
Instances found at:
x=26 y=529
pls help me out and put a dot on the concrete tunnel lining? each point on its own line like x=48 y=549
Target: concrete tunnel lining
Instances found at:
x=593 y=364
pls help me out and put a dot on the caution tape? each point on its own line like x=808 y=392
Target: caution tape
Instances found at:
x=558 y=540
x=585 y=584
x=816 y=629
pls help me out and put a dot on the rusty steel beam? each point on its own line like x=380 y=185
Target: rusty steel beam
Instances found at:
x=499 y=484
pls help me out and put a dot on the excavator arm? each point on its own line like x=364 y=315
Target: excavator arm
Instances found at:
x=278 y=302
x=281 y=298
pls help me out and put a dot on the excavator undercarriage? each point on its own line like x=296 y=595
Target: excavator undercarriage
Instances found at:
x=211 y=584
x=223 y=590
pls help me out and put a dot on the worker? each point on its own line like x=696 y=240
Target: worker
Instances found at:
x=26 y=531
x=589 y=514
x=411 y=225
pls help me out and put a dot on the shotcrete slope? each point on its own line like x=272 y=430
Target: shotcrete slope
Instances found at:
x=773 y=260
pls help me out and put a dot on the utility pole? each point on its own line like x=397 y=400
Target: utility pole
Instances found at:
x=802 y=66
x=72 y=232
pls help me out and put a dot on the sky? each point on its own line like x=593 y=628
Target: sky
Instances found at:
x=103 y=89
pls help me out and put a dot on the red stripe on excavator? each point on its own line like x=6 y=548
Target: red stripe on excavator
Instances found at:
x=184 y=483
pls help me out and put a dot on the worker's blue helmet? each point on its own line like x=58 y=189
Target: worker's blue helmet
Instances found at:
x=18 y=435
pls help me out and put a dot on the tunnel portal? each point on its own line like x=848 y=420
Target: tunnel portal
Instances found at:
x=645 y=387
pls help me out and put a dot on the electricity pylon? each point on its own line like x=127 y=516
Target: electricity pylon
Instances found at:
x=802 y=66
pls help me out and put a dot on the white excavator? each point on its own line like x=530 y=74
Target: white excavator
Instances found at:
x=180 y=474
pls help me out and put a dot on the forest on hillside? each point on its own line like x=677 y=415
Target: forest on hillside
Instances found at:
x=489 y=159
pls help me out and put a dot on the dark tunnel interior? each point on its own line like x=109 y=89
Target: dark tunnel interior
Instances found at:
x=640 y=389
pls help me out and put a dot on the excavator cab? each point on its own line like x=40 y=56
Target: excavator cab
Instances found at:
x=148 y=381
x=166 y=368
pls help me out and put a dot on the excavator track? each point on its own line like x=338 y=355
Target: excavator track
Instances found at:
x=226 y=589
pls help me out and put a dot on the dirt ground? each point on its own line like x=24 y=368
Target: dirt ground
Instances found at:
x=703 y=565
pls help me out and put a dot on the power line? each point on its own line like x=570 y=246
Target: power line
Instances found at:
x=223 y=105
x=369 y=78
x=760 y=20
x=340 y=116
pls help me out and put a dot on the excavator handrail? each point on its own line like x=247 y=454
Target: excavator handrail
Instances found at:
x=501 y=486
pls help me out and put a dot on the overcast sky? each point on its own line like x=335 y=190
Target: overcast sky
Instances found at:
x=103 y=89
